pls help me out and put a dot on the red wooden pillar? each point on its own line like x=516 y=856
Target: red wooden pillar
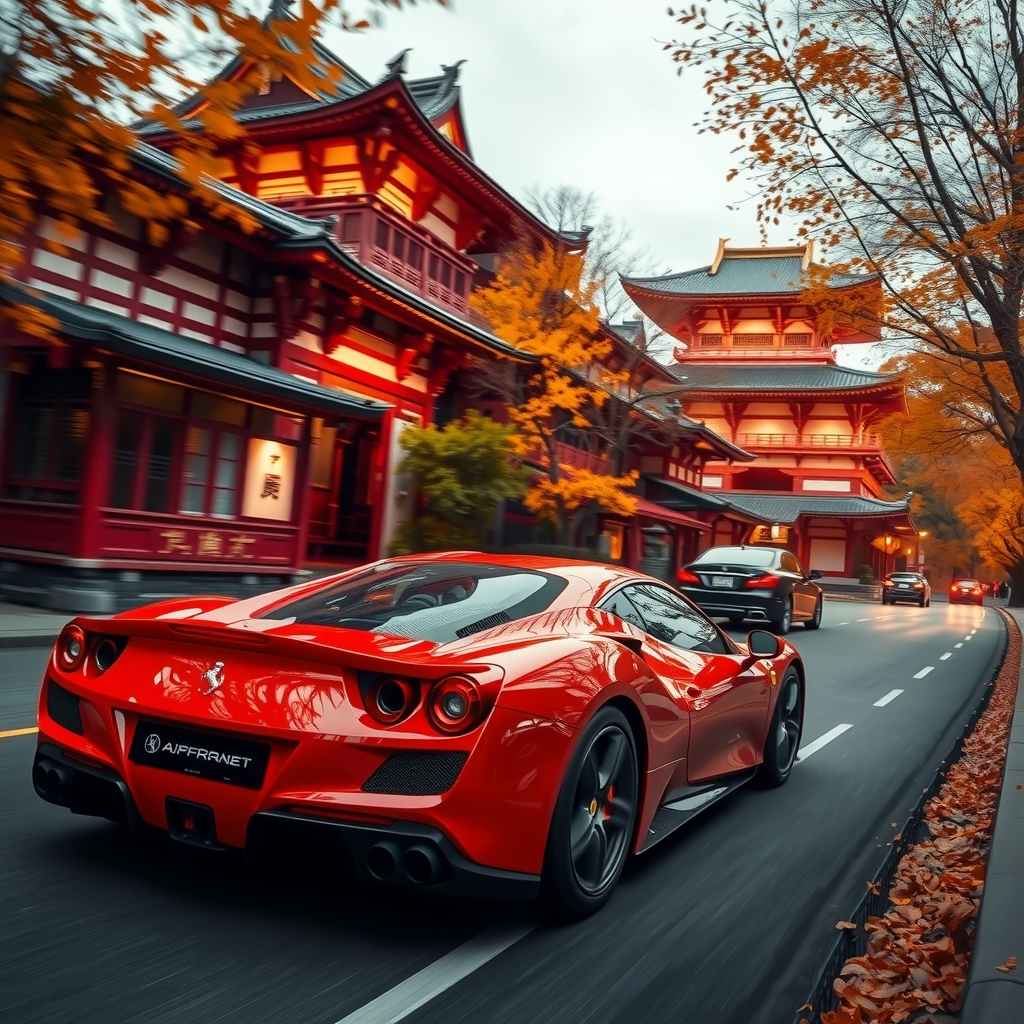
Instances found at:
x=303 y=492
x=96 y=462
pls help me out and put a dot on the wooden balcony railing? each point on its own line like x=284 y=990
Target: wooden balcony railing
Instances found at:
x=870 y=442
x=380 y=238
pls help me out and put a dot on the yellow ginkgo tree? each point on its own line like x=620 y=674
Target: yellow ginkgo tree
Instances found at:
x=542 y=301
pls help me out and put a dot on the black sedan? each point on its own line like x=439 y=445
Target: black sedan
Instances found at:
x=906 y=586
x=766 y=584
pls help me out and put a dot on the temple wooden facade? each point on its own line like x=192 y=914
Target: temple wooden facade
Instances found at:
x=218 y=410
x=760 y=371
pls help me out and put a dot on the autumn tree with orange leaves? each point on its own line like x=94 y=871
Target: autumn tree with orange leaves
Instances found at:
x=893 y=130
x=74 y=74
x=947 y=426
x=542 y=302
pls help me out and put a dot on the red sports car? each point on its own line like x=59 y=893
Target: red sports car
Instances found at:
x=467 y=723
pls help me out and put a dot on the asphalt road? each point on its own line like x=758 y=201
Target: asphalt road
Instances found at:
x=726 y=921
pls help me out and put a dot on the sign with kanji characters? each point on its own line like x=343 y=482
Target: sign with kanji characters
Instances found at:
x=269 y=480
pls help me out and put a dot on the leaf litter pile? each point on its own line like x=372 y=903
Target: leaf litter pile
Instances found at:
x=917 y=952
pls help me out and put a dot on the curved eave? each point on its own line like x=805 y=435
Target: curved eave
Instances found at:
x=147 y=346
x=647 y=286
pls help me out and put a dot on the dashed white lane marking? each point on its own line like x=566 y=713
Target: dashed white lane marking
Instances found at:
x=842 y=623
x=890 y=696
x=924 y=672
x=863 y=620
x=805 y=752
x=944 y=657
x=411 y=994
x=973 y=631
x=969 y=637
x=958 y=645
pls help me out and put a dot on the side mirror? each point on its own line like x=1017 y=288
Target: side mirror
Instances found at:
x=761 y=644
x=815 y=574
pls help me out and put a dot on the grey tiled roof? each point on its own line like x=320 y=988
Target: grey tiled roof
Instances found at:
x=777 y=376
x=762 y=275
x=127 y=337
x=787 y=508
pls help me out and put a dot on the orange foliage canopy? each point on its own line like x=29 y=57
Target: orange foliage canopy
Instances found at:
x=542 y=302
x=893 y=131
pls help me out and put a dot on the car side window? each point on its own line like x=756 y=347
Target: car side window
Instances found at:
x=619 y=604
x=790 y=564
x=670 y=619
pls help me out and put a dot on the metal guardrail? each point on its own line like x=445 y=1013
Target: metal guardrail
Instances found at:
x=853 y=942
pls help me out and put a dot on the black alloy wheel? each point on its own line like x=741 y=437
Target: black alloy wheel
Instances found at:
x=595 y=817
x=815 y=620
x=783 y=622
x=783 y=739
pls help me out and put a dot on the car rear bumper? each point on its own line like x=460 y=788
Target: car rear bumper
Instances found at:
x=904 y=595
x=750 y=603
x=402 y=854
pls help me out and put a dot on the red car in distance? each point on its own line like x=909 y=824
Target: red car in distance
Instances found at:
x=465 y=723
x=966 y=592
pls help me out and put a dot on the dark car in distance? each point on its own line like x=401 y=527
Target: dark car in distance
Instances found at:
x=966 y=592
x=906 y=586
x=746 y=582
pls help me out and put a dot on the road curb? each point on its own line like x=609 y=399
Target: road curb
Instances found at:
x=991 y=995
x=47 y=639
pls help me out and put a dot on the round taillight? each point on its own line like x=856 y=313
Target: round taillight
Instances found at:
x=390 y=700
x=104 y=653
x=71 y=648
x=455 y=704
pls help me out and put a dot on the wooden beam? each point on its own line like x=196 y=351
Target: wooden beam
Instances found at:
x=428 y=188
x=470 y=225
x=311 y=159
x=414 y=348
x=247 y=170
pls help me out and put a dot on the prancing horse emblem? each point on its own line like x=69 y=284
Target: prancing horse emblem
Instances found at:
x=213 y=677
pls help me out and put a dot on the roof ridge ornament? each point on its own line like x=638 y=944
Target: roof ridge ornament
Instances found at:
x=396 y=66
x=451 y=71
x=719 y=256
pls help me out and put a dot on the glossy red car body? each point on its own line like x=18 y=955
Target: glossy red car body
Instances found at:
x=966 y=592
x=211 y=665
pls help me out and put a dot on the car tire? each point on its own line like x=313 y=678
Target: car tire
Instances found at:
x=928 y=603
x=783 y=739
x=585 y=855
x=783 y=622
x=815 y=620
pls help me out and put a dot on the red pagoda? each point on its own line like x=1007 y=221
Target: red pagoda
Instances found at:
x=760 y=371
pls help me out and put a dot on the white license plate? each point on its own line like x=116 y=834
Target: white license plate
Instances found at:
x=721 y=581
x=903 y=586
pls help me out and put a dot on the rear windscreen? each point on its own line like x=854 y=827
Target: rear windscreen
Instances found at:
x=760 y=558
x=438 y=601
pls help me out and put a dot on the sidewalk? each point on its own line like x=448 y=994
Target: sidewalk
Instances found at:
x=994 y=996
x=22 y=626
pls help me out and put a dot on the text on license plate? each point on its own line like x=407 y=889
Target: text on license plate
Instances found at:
x=721 y=581
x=222 y=757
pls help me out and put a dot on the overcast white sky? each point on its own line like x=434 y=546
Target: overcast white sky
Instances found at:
x=580 y=92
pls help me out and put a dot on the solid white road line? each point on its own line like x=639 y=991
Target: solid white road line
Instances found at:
x=958 y=645
x=805 y=752
x=411 y=994
x=924 y=672
x=890 y=696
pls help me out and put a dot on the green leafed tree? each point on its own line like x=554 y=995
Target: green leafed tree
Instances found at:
x=461 y=473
